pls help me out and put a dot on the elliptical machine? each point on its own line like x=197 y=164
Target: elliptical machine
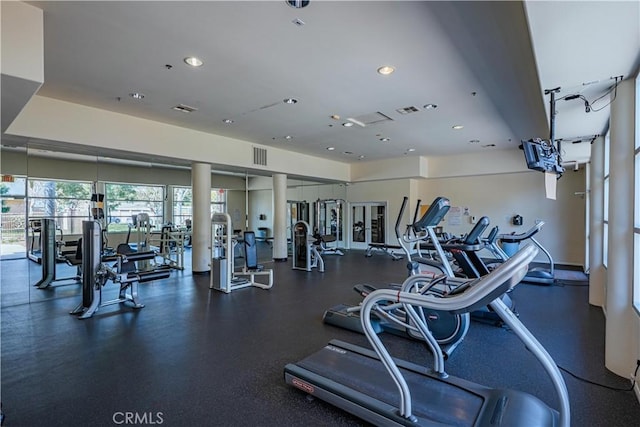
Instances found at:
x=448 y=329
x=537 y=275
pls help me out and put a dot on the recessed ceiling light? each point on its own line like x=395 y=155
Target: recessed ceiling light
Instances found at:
x=385 y=70
x=136 y=95
x=288 y=137
x=335 y=117
x=227 y=121
x=347 y=124
x=385 y=139
x=347 y=152
x=489 y=146
x=457 y=127
x=474 y=141
x=331 y=148
x=361 y=156
x=193 y=61
x=411 y=150
x=290 y=101
x=430 y=106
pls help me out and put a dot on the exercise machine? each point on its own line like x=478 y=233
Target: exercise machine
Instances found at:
x=449 y=329
x=367 y=383
x=305 y=253
x=537 y=275
x=328 y=225
x=48 y=257
x=383 y=248
x=224 y=278
x=170 y=243
x=297 y=210
x=96 y=273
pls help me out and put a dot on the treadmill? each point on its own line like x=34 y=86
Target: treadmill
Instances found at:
x=390 y=392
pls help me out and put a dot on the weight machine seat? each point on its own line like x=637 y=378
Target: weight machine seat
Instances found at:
x=76 y=259
x=328 y=238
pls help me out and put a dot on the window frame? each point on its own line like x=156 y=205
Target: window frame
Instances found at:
x=217 y=206
x=155 y=219
x=605 y=211
x=61 y=220
x=636 y=205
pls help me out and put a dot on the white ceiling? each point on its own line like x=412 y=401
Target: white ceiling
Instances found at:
x=485 y=64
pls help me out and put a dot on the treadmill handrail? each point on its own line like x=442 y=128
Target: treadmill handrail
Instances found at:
x=505 y=277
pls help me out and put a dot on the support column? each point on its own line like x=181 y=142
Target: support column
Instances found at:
x=621 y=334
x=201 y=224
x=597 y=272
x=279 y=217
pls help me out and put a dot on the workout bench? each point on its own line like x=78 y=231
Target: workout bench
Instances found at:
x=384 y=248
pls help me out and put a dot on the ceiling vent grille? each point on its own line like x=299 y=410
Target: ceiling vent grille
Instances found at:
x=369 y=119
x=407 y=110
x=184 y=108
x=259 y=156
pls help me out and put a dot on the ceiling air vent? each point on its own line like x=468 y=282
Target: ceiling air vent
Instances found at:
x=184 y=108
x=259 y=156
x=369 y=119
x=407 y=110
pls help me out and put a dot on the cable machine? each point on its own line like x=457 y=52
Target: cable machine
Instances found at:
x=305 y=249
x=328 y=224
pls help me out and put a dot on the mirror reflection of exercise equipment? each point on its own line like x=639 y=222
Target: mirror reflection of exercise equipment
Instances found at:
x=305 y=249
x=329 y=226
x=296 y=211
x=120 y=268
x=368 y=224
x=48 y=255
x=224 y=276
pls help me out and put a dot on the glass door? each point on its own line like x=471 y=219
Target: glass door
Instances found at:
x=368 y=224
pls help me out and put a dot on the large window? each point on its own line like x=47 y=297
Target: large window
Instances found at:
x=183 y=203
x=605 y=231
x=636 y=223
x=125 y=201
x=67 y=202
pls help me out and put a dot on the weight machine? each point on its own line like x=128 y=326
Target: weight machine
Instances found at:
x=224 y=278
x=305 y=249
x=96 y=273
x=328 y=226
x=48 y=257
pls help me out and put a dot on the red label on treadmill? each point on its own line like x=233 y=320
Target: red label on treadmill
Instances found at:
x=302 y=385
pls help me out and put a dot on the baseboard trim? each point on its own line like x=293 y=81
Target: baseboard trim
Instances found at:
x=200 y=273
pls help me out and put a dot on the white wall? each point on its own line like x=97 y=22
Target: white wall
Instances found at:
x=499 y=197
x=261 y=203
x=52 y=119
x=22 y=41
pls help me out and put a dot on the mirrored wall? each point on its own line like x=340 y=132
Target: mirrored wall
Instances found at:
x=47 y=194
